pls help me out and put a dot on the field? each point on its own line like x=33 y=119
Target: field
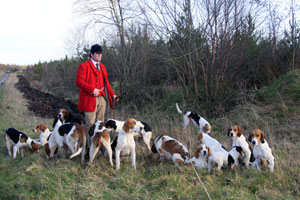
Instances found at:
x=35 y=177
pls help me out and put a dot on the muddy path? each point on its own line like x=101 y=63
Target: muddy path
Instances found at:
x=43 y=104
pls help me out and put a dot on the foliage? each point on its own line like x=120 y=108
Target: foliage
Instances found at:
x=210 y=62
x=36 y=177
x=38 y=71
x=286 y=89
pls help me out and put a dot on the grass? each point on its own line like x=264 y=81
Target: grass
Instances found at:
x=35 y=177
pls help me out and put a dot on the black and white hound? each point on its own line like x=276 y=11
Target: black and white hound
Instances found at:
x=199 y=122
x=220 y=159
x=73 y=135
x=19 y=140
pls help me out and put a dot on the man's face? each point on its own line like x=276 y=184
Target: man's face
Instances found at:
x=96 y=56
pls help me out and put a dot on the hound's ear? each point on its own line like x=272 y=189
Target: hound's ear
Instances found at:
x=250 y=137
x=102 y=124
x=200 y=137
x=228 y=130
x=125 y=126
x=92 y=129
x=163 y=139
x=240 y=131
x=197 y=152
x=66 y=114
x=43 y=127
x=153 y=148
x=263 y=137
x=208 y=151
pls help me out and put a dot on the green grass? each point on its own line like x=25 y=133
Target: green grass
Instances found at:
x=35 y=177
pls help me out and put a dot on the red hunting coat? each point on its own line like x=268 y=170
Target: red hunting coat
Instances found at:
x=87 y=79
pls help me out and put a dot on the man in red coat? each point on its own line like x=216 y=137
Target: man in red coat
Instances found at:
x=92 y=80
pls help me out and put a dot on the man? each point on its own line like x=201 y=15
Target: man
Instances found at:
x=92 y=79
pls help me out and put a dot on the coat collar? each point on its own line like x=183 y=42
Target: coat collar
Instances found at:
x=91 y=65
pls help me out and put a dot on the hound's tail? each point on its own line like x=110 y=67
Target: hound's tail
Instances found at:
x=76 y=153
x=178 y=109
x=82 y=143
x=82 y=140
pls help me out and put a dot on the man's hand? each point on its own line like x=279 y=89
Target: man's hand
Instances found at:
x=115 y=99
x=96 y=92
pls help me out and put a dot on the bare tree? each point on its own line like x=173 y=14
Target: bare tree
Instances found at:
x=294 y=34
x=173 y=21
x=275 y=21
x=210 y=28
x=114 y=16
x=76 y=41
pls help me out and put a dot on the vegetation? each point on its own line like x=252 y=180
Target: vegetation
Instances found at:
x=35 y=177
x=208 y=54
x=13 y=68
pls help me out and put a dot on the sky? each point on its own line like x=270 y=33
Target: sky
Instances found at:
x=37 y=30
x=34 y=30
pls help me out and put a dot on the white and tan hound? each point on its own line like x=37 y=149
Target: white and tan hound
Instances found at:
x=99 y=135
x=44 y=134
x=125 y=141
x=145 y=134
x=169 y=148
x=261 y=150
x=211 y=142
x=201 y=156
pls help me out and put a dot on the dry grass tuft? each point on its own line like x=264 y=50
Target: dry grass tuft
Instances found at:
x=33 y=168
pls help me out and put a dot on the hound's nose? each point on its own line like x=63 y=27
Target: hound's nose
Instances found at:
x=204 y=153
x=253 y=142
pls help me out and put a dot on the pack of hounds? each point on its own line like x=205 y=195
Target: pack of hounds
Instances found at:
x=68 y=134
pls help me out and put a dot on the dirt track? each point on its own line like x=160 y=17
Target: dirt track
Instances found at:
x=43 y=104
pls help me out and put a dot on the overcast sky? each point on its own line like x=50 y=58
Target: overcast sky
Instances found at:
x=34 y=30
